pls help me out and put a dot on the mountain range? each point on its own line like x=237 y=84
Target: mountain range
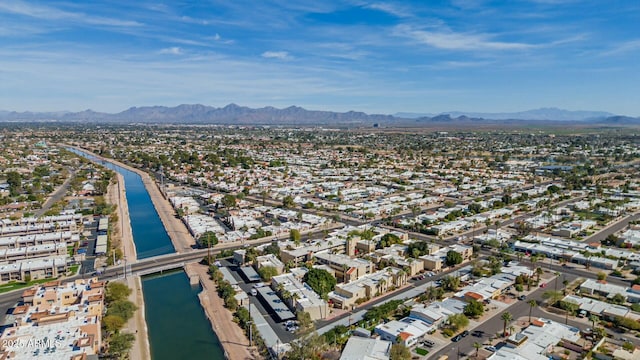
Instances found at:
x=233 y=114
x=536 y=114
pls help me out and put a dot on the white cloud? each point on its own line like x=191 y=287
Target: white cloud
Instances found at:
x=275 y=55
x=624 y=47
x=390 y=9
x=51 y=13
x=450 y=40
x=172 y=51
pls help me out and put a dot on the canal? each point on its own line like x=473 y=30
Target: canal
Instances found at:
x=178 y=327
x=149 y=234
x=176 y=323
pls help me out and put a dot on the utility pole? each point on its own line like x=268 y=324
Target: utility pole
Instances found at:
x=250 y=323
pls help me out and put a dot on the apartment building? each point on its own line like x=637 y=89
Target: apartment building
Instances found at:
x=348 y=295
x=299 y=254
x=347 y=269
x=300 y=296
x=435 y=260
x=35 y=269
x=62 y=320
x=270 y=260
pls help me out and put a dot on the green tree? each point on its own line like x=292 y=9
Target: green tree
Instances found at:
x=307 y=348
x=294 y=235
x=305 y=324
x=287 y=202
x=399 y=352
x=602 y=276
x=388 y=240
x=229 y=201
x=14 y=179
x=112 y=323
x=320 y=280
x=552 y=296
x=532 y=303
x=207 y=238
x=453 y=258
x=120 y=344
x=450 y=282
x=506 y=318
x=618 y=299
x=473 y=309
x=458 y=321
x=116 y=291
x=267 y=272
x=477 y=346
x=122 y=308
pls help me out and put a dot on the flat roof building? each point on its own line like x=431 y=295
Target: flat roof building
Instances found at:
x=360 y=348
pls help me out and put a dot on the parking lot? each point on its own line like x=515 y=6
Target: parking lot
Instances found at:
x=284 y=330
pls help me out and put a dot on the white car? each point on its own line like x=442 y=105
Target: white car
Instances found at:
x=491 y=348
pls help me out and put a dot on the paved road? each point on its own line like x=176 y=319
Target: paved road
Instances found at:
x=56 y=196
x=490 y=327
x=495 y=324
x=612 y=229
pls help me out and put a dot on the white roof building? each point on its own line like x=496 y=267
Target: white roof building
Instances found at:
x=359 y=348
x=536 y=341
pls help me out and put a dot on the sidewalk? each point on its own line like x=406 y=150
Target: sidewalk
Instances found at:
x=137 y=325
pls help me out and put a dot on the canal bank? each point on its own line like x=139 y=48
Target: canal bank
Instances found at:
x=169 y=324
x=233 y=339
x=178 y=326
x=179 y=235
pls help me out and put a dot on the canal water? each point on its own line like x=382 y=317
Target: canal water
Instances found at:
x=149 y=234
x=177 y=325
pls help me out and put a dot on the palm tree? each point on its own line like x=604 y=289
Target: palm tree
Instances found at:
x=534 y=260
x=552 y=296
x=506 y=317
x=381 y=284
x=532 y=303
x=539 y=272
x=594 y=320
x=564 y=289
x=477 y=346
x=570 y=308
x=556 y=281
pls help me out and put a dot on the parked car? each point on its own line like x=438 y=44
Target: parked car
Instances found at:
x=543 y=285
x=428 y=343
x=491 y=348
x=522 y=297
x=456 y=338
x=464 y=333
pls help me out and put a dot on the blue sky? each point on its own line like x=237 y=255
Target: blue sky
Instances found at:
x=373 y=56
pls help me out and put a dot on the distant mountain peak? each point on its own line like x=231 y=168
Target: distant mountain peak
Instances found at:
x=544 y=113
x=233 y=114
